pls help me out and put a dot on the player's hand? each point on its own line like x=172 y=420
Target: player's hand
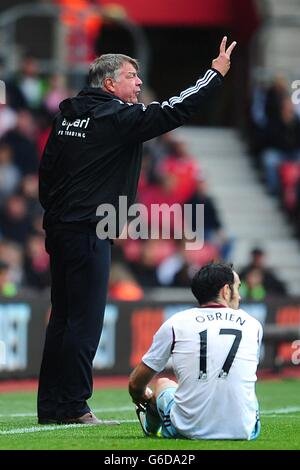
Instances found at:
x=148 y=394
x=222 y=62
x=141 y=398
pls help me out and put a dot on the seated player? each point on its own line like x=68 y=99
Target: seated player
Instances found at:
x=215 y=352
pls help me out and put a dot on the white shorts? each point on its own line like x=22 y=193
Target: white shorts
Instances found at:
x=164 y=403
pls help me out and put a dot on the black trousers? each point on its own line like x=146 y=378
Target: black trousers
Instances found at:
x=80 y=264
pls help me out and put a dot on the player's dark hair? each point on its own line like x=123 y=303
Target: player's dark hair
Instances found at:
x=209 y=280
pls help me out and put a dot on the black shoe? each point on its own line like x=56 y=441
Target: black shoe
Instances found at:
x=47 y=420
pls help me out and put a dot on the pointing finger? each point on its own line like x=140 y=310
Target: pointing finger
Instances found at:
x=223 y=44
x=230 y=48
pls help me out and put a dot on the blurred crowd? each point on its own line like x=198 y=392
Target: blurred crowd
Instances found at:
x=25 y=120
x=275 y=142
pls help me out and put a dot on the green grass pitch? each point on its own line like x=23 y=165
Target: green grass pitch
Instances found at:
x=280 y=416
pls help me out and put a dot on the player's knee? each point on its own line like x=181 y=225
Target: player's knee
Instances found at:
x=162 y=384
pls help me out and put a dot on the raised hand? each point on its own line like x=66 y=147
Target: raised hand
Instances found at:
x=222 y=62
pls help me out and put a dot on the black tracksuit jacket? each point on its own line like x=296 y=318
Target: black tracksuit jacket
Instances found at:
x=93 y=154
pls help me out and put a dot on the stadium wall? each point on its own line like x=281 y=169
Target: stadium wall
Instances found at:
x=128 y=331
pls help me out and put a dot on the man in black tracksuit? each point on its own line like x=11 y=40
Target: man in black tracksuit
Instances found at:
x=92 y=157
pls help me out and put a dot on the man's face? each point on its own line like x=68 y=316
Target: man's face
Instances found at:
x=234 y=300
x=127 y=85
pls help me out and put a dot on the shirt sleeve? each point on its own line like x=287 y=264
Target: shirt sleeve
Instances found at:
x=139 y=123
x=159 y=353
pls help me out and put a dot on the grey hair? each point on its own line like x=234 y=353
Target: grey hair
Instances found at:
x=108 y=66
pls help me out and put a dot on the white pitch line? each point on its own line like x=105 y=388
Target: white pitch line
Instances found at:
x=55 y=427
x=287 y=410
x=281 y=411
x=283 y=416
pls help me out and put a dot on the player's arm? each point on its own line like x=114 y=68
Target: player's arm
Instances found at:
x=153 y=361
x=138 y=381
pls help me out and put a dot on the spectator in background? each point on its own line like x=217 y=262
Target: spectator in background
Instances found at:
x=275 y=95
x=30 y=84
x=14 y=96
x=145 y=268
x=30 y=190
x=7 y=288
x=12 y=254
x=258 y=106
x=15 y=221
x=8 y=119
x=9 y=173
x=213 y=230
x=257 y=120
x=175 y=270
x=57 y=92
x=181 y=168
x=22 y=141
x=36 y=263
x=267 y=279
x=282 y=143
x=252 y=286
x=179 y=267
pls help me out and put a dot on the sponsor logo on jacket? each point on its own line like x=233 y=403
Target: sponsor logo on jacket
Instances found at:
x=78 y=124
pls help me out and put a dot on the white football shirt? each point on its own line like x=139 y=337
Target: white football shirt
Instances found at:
x=215 y=352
